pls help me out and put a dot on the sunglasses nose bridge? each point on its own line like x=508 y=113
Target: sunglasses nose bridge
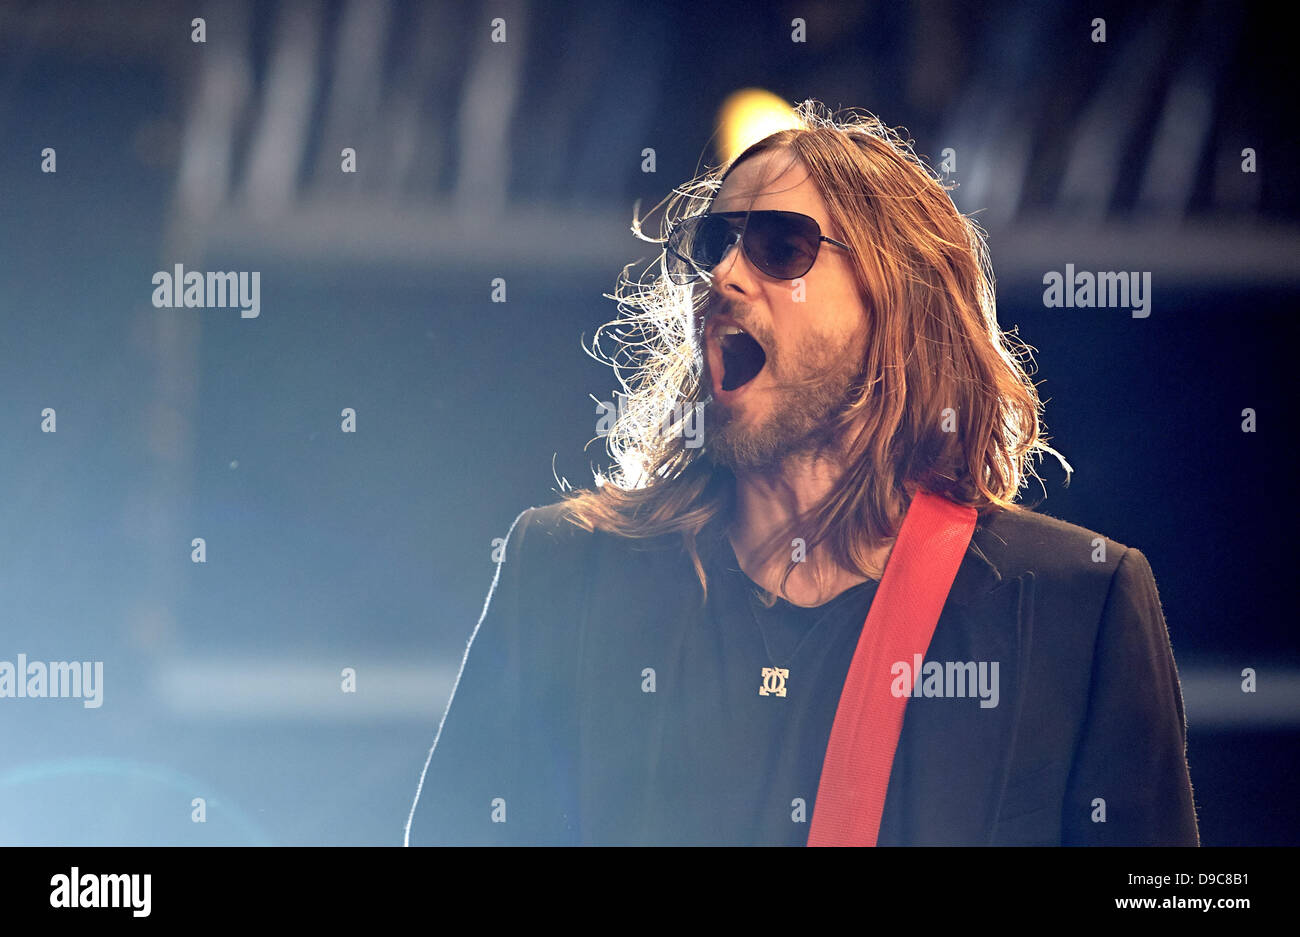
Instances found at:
x=733 y=241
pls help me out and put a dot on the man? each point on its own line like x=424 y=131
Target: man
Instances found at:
x=661 y=659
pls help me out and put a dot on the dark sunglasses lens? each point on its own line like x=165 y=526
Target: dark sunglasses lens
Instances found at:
x=716 y=235
x=782 y=244
x=697 y=244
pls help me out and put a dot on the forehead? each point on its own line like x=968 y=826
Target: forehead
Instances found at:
x=773 y=180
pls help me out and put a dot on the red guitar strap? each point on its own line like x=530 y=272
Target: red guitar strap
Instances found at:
x=869 y=718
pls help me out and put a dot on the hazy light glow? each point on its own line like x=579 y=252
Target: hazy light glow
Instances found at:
x=749 y=115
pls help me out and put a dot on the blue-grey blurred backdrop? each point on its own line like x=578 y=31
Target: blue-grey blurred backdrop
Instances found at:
x=522 y=161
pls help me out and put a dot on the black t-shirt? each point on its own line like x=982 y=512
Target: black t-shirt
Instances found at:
x=737 y=767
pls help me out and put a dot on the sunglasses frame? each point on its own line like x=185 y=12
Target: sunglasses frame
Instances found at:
x=743 y=228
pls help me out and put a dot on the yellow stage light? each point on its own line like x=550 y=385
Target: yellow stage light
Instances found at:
x=749 y=115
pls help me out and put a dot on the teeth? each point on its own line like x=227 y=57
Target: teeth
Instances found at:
x=730 y=330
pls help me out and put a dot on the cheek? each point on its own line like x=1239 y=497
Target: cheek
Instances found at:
x=819 y=318
x=830 y=300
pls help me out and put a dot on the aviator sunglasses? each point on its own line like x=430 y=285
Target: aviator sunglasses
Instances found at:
x=782 y=244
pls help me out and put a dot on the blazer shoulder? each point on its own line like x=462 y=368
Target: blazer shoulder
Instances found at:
x=547 y=535
x=553 y=521
x=556 y=540
x=1023 y=541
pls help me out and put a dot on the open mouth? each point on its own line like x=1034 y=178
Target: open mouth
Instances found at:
x=742 y=357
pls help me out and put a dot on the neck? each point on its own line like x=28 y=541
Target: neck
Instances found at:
x=770 y=505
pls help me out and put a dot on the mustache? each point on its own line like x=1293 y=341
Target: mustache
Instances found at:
x=726 y=307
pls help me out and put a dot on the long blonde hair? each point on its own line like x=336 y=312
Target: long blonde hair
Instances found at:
x=935 y=355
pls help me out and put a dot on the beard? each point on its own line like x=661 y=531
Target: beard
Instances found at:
x=793 y=417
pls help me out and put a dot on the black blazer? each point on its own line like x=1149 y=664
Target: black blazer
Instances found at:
x=1090 y=721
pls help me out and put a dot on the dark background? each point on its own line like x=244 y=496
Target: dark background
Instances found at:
x=522 y=161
